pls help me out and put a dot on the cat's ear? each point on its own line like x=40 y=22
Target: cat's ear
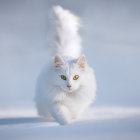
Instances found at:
x=81 y=62
x=58 y=61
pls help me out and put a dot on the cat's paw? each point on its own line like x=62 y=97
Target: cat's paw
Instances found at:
x=65 y=118
x=64 y=122
x=61 y=114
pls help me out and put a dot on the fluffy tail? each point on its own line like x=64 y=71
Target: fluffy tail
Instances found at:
x=67 y=41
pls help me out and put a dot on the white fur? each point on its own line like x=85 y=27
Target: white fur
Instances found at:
x=66 y=40
x=54 y=100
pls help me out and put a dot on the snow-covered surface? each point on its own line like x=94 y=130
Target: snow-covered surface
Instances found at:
x=93 y=113
x=115 y=123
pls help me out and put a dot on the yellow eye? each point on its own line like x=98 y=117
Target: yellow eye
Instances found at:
x=75 y=77
x=63 y=77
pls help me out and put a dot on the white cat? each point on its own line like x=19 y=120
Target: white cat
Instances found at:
x=67 y=85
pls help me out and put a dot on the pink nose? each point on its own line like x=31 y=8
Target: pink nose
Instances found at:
x=69 y=86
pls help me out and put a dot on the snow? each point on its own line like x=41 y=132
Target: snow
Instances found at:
x=98 y=123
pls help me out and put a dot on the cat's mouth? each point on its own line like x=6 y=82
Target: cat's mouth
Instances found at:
x=68 y=90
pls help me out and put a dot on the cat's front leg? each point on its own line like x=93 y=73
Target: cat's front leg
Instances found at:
x=61 y=113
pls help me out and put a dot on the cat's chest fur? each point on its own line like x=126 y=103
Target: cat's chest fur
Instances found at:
x=72 y=100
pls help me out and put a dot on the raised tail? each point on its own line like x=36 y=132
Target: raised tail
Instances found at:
x=66 y=39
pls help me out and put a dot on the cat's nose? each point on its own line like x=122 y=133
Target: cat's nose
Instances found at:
x=69 y=86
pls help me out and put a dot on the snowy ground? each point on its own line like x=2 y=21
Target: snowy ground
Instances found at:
x=117 y=123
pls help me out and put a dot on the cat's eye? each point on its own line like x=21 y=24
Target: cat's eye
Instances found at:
x=63 y=77
x=75 y=77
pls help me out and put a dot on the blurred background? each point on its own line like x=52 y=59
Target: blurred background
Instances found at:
x=111 y=42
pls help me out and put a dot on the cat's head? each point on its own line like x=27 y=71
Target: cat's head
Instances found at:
x=69 y=74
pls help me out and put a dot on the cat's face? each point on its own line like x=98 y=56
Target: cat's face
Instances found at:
x=69 y=74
